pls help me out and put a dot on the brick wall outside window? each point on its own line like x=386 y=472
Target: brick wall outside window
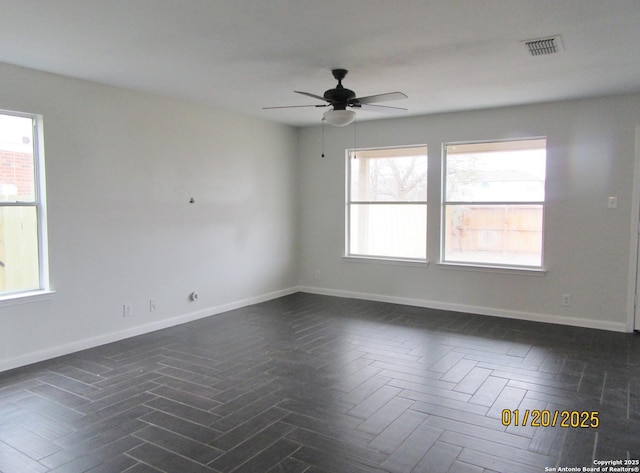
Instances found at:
x=17 y=168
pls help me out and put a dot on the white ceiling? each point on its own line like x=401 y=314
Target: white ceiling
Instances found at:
x=243 y=55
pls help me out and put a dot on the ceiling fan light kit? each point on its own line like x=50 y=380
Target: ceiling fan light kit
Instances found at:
x=342 y=99
x=339 y=117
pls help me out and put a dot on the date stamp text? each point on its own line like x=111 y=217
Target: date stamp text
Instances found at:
x=546 y=418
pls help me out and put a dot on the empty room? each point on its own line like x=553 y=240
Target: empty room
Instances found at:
x=319 y=236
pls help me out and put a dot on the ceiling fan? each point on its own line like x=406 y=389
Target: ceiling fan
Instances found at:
x=342 y=99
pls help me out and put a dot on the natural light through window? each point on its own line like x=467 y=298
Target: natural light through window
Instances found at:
x=493 y=204
x=22 y=248
x=387 y=203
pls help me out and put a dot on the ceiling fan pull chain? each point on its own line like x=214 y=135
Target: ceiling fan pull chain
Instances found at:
x=355 y=133
x=323 y=137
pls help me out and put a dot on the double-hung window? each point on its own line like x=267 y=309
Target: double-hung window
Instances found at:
x=493 y=203
x=387 y=203
x=23 y=262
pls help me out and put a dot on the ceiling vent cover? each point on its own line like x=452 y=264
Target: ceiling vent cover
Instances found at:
x=544 y=46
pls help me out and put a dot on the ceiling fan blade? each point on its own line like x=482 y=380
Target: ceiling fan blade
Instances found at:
x=295 y=106
x=381 y=97
x=380 y=108
x=311 y=95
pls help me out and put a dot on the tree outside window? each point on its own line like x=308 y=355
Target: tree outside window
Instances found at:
x=387 y=203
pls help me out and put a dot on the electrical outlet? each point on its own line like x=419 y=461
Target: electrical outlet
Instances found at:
x=127 y=310
x=612 y=203
x=153 y=305
x=566 y=299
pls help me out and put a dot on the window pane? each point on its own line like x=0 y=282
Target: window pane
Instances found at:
x=388 y=179
x=387 y=230
x=19 y=262
x=16 y=159
x=495 y=172
x=494 y=234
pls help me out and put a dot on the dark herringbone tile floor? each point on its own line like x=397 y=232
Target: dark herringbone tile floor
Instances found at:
x=315 y=384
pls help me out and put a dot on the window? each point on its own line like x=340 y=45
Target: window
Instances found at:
x=494 y=203
x=387 y=203
x=22 y=209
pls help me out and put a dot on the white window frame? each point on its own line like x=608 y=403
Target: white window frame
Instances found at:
x=40 y=204
x=348 y=254
x=445 y=203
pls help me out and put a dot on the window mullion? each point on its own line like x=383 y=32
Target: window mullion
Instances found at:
x=495 y=202
x=384 y=202
x=19 y=204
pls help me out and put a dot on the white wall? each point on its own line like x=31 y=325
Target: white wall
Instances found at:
x=587 y=246
x=121 y=167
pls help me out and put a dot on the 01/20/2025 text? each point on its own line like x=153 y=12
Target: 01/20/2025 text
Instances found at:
x=546 y=418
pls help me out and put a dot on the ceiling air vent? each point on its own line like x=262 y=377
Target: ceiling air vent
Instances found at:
x=544 y=46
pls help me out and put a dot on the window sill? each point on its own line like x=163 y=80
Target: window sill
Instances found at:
x=379 y=260
x=25 y=297
x=523 y=270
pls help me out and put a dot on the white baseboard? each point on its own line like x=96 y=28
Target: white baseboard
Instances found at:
x=84 y=344
x=508 y=314
x=93 y=342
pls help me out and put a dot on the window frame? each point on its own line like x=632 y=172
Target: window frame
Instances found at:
x=349 y=203
x=39 y=203
x=444 y=203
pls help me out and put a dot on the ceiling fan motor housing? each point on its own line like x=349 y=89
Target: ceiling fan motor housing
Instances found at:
x=339 y=97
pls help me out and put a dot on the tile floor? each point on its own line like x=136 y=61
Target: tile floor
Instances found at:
x=310 y=383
